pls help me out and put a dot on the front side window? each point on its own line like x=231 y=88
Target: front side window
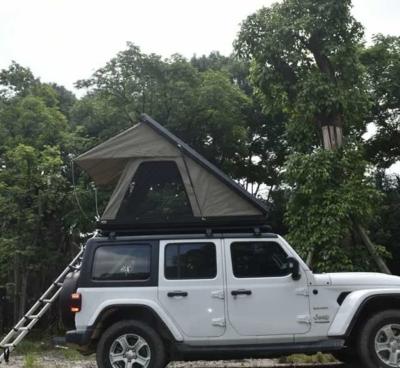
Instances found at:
x=190 y=261
x=258 y=259
x=122 y=263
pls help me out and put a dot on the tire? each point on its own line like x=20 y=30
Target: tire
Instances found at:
x=379 y=340
x=118 y=342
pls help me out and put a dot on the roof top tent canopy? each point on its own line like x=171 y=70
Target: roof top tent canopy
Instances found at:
x=160 y=181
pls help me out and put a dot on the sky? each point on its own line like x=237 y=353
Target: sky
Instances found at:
x=65 y=40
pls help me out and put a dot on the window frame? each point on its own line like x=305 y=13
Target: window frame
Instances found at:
x=288 y=274
x=86 y=280
x=125 y=246
x=180 y=244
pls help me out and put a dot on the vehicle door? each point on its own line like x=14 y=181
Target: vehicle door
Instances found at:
x=263 y=298
x=191 y=286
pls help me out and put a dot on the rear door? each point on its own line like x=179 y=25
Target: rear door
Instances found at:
x=191 y=286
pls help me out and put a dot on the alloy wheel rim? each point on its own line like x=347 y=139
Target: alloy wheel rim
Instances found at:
x=387 y=344
x=130 y=351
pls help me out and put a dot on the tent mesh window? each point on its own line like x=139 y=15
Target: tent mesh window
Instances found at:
x=156 y=192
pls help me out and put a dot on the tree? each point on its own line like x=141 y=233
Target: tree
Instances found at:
x=203 y=108
x=382 y=62
x=35 y=192
x=305 y=65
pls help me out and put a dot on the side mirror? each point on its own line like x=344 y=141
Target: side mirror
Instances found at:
x=294 y=268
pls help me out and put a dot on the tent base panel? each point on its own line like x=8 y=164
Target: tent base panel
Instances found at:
x=254 y=224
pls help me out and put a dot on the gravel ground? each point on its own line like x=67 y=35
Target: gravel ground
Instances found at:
x=57 y=362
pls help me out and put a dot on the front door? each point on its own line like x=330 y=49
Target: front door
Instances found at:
x=191 y=286
x=263 y=299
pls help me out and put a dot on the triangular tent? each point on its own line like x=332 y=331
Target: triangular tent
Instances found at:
x=159 y=179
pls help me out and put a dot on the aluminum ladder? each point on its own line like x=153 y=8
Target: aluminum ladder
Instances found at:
x=42 y=305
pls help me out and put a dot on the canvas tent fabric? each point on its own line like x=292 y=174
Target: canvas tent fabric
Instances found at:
x=147 y=162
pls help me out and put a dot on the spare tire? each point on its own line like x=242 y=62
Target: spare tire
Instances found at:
x=69 y=287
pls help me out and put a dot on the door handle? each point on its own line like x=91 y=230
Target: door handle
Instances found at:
x=241 y=292
x=173 y=294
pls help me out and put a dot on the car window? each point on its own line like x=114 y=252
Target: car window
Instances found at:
x=122 y=262
x=258 y=259
x=190 y=261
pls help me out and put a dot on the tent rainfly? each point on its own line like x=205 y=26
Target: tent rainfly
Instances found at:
x=159 y=179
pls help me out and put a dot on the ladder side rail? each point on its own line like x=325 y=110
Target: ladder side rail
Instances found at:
x=22 y=321
x=19 y=331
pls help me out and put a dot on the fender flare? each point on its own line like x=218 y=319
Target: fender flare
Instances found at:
x=148 y=304
x=352 y=306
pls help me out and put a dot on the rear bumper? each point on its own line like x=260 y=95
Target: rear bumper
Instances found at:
x=79 y=337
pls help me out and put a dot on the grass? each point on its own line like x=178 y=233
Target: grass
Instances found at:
x=30 y=361
x=33 y=348
x=302 y=358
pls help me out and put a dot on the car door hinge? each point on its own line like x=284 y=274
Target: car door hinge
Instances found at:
x=302 y=291
x=218 y=294
x=219 y=322
x=305 y=318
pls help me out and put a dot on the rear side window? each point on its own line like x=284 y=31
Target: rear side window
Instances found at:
x=190 y=261
x=258 y=259
x=122 y=262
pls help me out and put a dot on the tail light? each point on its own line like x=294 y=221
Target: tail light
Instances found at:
x=76 y=302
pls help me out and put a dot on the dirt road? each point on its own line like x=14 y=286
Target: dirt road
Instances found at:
x=56 y=362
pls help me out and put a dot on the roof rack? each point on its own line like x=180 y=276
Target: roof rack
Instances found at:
x=254 y=229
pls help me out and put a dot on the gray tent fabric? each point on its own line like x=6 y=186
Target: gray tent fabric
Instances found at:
x=211 y=193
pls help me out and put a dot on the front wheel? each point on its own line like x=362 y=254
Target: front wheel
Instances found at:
x=379 y=340
x=130 y=344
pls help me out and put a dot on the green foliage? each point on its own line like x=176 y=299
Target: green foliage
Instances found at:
x=305 y=65
x=329 y=192
x=382 y=62
x=308 y=65
x=385 y=227
x=35 y=187
x=207 y=102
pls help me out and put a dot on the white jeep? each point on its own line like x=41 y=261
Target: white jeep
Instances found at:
x=144 y=300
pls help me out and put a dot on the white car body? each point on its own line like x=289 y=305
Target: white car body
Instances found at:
x=279 y=310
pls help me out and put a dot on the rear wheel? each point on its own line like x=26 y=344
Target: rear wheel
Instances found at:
x=130 y=344
x=379 y=342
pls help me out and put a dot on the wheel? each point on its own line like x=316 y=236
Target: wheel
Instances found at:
x=130 y=344
x=379 y=340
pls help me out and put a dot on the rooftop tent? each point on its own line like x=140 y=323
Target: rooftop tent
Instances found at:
x=159 y=179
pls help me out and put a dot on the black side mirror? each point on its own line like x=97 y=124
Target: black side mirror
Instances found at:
x=294 y=268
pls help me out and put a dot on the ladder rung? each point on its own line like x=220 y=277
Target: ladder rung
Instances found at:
x=21 y=329
x=6 y=346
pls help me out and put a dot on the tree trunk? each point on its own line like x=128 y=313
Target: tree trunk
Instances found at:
x=332 y=136
x=16 y=288
x=23 y=295
x=371 y=248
